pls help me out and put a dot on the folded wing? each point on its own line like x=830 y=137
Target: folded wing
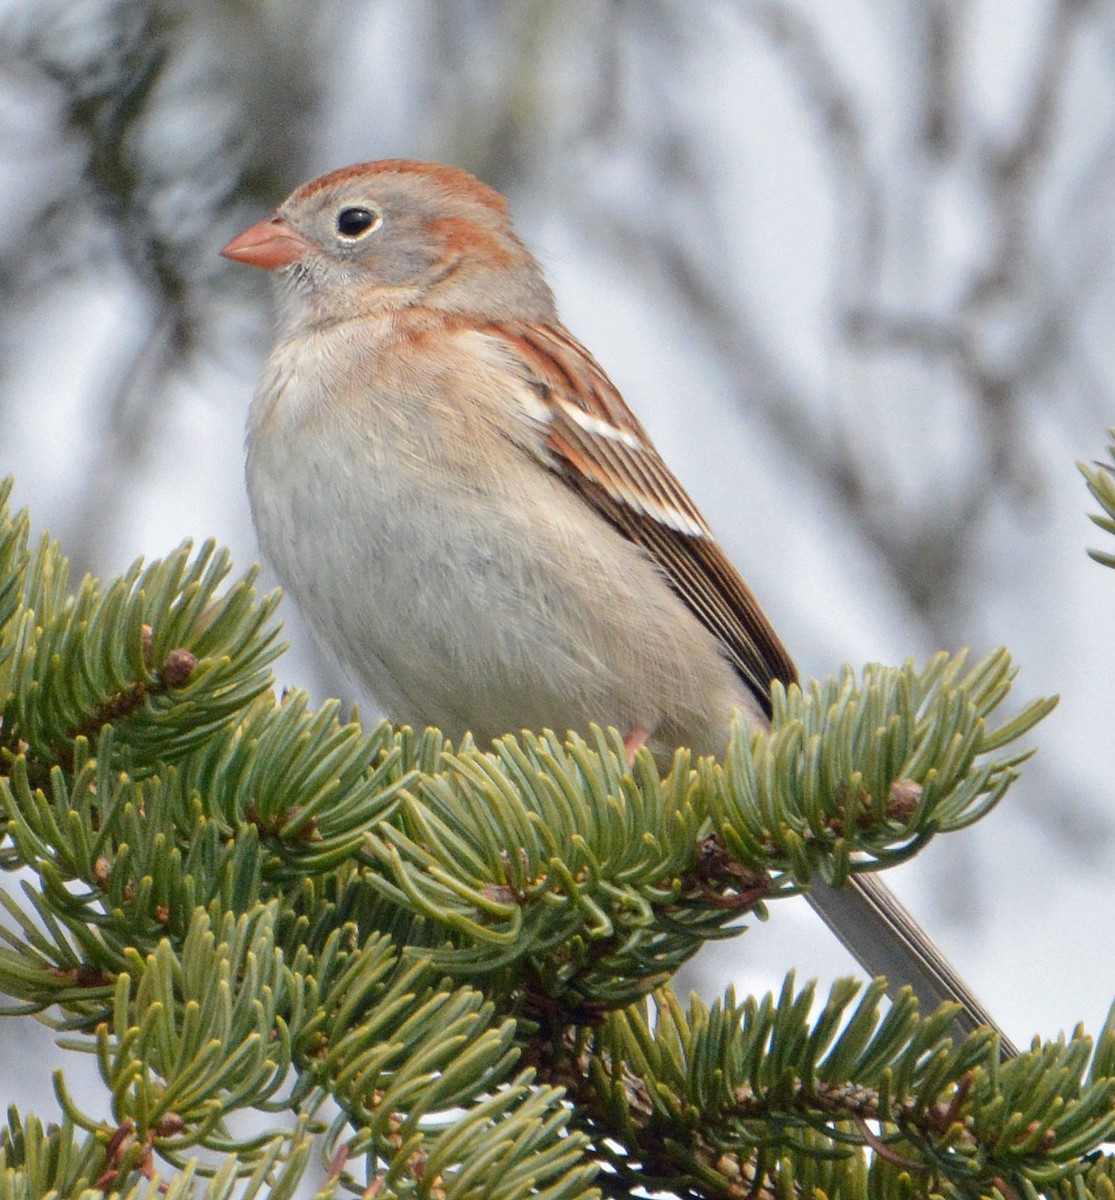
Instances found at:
x=582 y=429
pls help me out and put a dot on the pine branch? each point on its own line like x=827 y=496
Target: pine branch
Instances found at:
x=158 y=653
x=236 y=903
x=37 y=1161
x=1101 y=483
x=860 y=775
x=763 y=1098
x=615 y=882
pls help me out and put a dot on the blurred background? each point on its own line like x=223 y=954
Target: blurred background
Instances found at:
x=849 y=260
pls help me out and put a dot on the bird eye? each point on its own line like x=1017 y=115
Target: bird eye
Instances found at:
x=355 y=222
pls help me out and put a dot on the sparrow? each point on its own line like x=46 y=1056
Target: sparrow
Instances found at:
x=461 y=504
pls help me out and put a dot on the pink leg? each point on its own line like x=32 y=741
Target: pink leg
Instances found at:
x=635 y=738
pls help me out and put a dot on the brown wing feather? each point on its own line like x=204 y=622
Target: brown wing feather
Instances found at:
x=594 y=440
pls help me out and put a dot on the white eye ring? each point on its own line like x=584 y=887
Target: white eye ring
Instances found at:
x=354 y=222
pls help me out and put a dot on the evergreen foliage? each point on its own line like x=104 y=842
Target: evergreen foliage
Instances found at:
x=446 y=971
x=1101 y=483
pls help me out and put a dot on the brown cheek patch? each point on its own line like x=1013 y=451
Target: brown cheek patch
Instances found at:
x=464 y=238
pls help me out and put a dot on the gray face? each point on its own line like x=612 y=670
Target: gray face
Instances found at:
x=368 y=235
x=388 y=240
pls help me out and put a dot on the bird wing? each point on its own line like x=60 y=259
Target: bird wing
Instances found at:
x=575 y=421
x=581 y=428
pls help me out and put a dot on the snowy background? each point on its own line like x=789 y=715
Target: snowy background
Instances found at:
x=849 y=260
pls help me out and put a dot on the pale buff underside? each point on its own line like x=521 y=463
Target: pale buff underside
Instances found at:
x=431 y=560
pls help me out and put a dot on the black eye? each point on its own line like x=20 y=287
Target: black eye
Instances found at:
x=355 y=222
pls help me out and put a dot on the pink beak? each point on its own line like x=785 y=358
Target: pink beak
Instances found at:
x=269 y=244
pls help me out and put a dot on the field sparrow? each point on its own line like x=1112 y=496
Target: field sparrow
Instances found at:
x=460 y=502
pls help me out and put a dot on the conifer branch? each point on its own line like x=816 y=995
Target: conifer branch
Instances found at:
x=711 y=1102
x=235 y=902
x=1101 y=483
